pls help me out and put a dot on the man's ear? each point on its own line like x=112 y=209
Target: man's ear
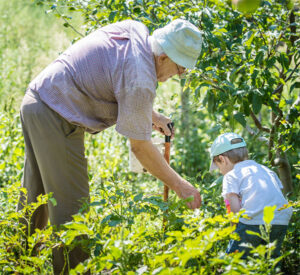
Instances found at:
x=161 y=58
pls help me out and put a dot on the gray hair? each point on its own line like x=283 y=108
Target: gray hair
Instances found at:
x=156 y=48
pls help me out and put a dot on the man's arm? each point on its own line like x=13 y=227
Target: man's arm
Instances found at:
x=234 y=202
x=153 y=161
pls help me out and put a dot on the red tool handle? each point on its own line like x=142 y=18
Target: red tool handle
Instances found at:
x=167 y=157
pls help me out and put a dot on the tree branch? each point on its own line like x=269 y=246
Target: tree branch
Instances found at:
x=261 y=34
x=275 y=122
x=254 y=133
x=278 y=89
x=293 y=27
x=271 y=141
x=258 y=124
x=291 y=74
x=211 y=82
x=66 y=21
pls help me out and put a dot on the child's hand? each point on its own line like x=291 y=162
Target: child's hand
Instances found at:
x=234 y=202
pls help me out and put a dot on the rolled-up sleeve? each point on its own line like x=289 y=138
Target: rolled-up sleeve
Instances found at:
x=135 y=112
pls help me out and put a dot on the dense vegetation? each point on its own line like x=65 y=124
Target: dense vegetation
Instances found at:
x=247 y=80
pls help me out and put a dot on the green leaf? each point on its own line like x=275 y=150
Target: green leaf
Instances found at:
x=248 y=38
x=284 y=61
x=182 y=82
x=98 y=249
x=211 y=102
x=218 y=181
x=256 y=103
x=239 y=117
x=271 y=62
x=246 y=108
x=249 y=232
x=269 y=214
x=111 y=16
x=259 y=58
x=214 y=129
x=114 y=223
x=80 y=227
x=295 y=85
x=138 y=197
x=53 y=201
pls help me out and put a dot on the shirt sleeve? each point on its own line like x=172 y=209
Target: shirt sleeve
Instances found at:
x=230 y=185
x=135 y=107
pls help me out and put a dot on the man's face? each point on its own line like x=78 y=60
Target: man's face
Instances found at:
x=166 y=68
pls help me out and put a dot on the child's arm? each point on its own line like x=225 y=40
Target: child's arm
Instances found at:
x=234 y=202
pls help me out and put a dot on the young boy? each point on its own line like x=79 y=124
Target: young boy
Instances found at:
x=249 y=186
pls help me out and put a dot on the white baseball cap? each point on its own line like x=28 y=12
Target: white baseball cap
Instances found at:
x=181 y=41
x=222 y=144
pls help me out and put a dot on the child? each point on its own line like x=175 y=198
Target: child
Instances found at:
x=249 y=186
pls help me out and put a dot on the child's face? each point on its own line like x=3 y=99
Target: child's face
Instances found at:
x=224 y=165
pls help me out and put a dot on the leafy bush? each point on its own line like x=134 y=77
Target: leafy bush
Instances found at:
x=124 y=226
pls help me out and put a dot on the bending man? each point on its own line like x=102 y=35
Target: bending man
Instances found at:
x=109 y=77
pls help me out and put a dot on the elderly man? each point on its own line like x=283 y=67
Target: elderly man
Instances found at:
x=109 y=77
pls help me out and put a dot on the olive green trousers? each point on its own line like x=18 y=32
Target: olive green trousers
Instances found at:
x=54 y=162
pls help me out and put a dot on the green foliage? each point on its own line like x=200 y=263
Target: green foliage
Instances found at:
x=123 y=231
x=25 y=47
x=246 y=77
x=12 y=146
x=123 y=226
x=20 y=250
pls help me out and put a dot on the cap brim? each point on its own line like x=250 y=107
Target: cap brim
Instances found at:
x=213 y=166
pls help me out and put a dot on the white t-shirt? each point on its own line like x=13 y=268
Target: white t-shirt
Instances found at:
x=257 y=187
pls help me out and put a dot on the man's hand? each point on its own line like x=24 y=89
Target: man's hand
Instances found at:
x=187 y=190
x=160 y=124
x=153 y=161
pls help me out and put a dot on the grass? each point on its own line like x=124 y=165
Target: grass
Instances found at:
x=29 y=40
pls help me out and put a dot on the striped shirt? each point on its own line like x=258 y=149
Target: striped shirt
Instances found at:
x=106 y=78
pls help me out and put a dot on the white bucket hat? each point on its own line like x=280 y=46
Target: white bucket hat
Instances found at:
x=223 y=144
x=181 y=41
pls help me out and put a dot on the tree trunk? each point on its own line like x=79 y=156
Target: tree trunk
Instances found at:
x=185 y=119
x=284 y=172
x=280 y=161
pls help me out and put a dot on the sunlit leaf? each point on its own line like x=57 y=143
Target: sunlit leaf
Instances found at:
x=269 y=214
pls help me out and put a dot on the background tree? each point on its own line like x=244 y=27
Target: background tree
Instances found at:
x=247 y=76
